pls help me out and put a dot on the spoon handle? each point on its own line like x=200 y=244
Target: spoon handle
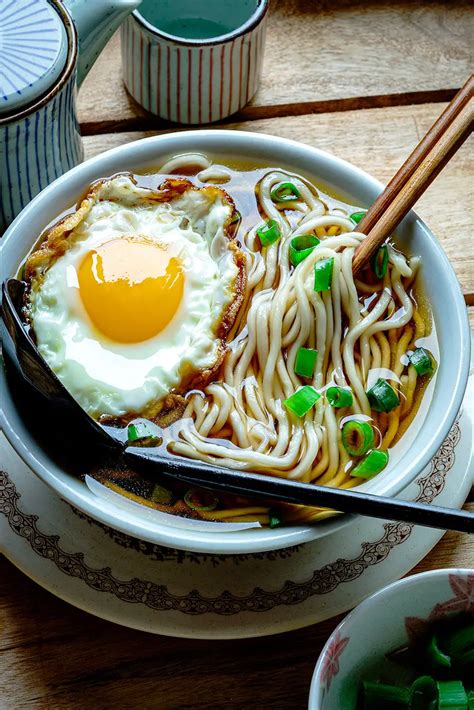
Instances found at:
x=280 y=490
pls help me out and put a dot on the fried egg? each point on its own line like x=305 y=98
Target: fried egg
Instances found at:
x=131 y=296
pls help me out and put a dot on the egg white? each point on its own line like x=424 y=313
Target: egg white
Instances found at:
x=107 y=377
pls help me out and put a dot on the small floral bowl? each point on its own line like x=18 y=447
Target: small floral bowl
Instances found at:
x=387 y=620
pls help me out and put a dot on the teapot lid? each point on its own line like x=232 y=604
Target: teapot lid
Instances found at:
x=33 y=51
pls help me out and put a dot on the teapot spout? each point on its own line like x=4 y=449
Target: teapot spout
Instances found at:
x=95 y=24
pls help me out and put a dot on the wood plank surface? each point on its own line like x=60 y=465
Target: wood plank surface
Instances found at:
x=55 y=657
x=324 y=55
x=363 y=81
x=377 y=140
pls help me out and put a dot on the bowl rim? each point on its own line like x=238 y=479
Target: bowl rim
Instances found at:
x=314 y=701
x=235 y=542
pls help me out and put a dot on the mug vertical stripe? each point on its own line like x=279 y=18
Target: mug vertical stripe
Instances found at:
x=36 y=150
x=191 y=83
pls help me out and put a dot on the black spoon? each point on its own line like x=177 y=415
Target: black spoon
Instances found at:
x=21 y=354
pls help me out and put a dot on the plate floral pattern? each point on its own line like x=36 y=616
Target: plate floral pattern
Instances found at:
x=159 y=597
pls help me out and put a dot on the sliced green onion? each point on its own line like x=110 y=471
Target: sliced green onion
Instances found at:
x=373 y=463
x=421 y=361
x=161 y=495
x=139 y=431
x=339 y=397
x=302 y=400
x=197 y=499
x=470 y=700
x=357 y=216
x=451 y=694
x=301 y=247
x=236 y=217
x=357 y=437
x=285 y=192
x=275 y=520
x=382 y=397
x=305 y=362
x=379 y=262
x=323 y=274
x=460 y=641
x=436 y=656
x=423 y=693
x=378 y=696
x=269 y=233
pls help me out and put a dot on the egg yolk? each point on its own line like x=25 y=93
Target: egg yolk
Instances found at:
x=130 y=288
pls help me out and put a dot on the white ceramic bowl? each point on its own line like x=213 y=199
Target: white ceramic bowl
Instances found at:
x=416 y=448
x=381 y=624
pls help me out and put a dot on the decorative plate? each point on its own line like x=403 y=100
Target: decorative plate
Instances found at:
x=179 y=593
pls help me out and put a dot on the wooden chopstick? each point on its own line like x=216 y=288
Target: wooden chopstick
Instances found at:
x=414 y=159
x=196 y=473
x=429 y=157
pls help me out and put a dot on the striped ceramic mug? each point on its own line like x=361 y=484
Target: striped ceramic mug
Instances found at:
x=194 y=69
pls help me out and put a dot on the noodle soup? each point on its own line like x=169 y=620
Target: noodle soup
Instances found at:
x=321 y=373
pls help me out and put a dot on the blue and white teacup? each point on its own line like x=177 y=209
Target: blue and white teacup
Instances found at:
x=193 y=62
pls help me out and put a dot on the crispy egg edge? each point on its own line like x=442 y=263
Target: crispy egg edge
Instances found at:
x=53 y=243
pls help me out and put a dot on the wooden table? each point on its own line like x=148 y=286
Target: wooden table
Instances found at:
x=363 y=81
